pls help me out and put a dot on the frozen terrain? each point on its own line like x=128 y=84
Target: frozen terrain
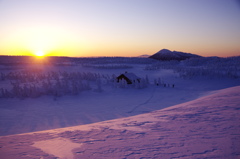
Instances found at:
x=208 y=127
x=79 y=108
x=100 y=101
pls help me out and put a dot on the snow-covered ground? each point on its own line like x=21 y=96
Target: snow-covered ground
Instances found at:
x=208 y=127
x=78 y=110
x=49 y=112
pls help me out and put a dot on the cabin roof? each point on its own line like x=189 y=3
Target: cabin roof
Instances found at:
x=131 y=76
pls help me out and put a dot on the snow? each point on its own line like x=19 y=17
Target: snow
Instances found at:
x=197 y=118
x=131 y=76
x=59 y=147
x=207 y=127
x=28 y=115
x=105 y=103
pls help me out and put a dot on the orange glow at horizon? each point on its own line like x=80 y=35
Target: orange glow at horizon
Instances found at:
x=40 y=53
x=91 y=28
x=42 y=41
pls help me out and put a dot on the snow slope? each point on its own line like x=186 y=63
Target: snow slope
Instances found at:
x=28 y=115
x=208 y=127
x=48 y=112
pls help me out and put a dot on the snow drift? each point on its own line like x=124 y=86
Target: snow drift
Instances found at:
x=208 y=127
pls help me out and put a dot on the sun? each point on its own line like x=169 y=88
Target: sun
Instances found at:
x=39 y=53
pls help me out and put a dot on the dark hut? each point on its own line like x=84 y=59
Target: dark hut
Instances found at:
x=128 y=77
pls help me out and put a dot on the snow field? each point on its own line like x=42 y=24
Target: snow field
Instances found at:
x=122 y=120
x=207 y=127
x=49 y=111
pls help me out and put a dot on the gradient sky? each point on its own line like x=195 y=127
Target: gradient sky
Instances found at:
x=119 y=27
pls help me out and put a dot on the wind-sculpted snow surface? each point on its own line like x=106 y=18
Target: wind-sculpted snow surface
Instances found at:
x=208 y=127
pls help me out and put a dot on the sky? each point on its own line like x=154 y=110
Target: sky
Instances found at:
x=83 y=28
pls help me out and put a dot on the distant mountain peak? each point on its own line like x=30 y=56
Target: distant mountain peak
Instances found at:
x=164 y=51
x=167 y=55
x=144 y=56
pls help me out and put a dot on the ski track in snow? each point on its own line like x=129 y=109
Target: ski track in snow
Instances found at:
x=208 y=127
x=146 y=102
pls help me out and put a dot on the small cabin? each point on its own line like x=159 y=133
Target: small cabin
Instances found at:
x=130 y=78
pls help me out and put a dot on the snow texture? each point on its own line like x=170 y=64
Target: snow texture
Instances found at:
x=43 y=97
x=131 y=76
x=208 y=127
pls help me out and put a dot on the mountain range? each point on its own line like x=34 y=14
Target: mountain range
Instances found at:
x=167 y=55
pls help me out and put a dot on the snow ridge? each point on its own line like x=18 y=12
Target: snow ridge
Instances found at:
x=208 y=127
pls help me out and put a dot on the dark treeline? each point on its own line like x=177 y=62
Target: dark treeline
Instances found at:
x=24 y=60
x=57 y=60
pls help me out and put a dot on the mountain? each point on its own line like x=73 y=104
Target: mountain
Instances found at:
x=167 y=55
x=144 y=56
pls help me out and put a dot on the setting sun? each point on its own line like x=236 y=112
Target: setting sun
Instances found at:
x=39 y=53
